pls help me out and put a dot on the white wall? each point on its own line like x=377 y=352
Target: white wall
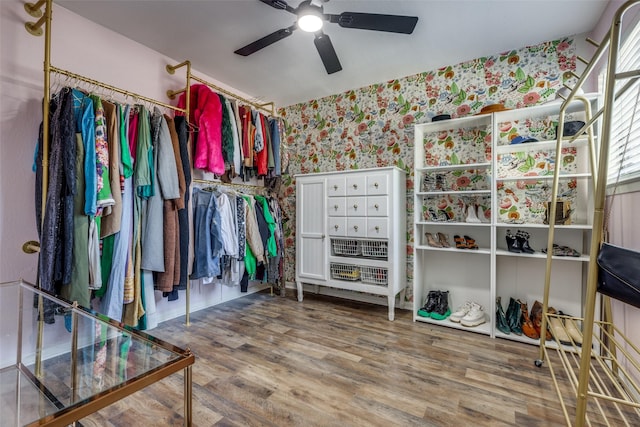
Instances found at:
x=85 y=48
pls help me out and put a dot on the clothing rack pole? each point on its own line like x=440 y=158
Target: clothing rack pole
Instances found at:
x=269 y=107
x=115 y=89
x=171 y=69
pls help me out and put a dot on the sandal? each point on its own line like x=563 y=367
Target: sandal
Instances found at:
x=431 y=241
x=563 y=251
x=471 y=242
x=443 y=239
x=460 y=242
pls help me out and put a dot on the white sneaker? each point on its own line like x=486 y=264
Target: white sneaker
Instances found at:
x=462 y=311
x=474 y=317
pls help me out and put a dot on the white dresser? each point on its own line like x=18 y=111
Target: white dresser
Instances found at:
x=351 y=231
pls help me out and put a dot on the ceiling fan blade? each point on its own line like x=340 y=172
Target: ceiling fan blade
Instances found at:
x=377 y=22
x=279 y=4
x=327 y=53
x=265 y=41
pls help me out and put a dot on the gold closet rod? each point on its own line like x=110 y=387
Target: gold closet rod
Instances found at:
x=115 y=89
x=269 y=107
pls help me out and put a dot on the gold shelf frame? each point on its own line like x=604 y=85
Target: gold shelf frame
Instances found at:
x=603 y=379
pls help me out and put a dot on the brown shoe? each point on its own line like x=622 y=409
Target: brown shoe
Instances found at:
x=527 y=325
x=536 y=318
x=556 y=325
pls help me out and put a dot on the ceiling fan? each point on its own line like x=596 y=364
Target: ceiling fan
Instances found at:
x=311 y=18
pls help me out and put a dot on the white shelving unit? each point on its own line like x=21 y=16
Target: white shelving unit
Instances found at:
x=475 y=164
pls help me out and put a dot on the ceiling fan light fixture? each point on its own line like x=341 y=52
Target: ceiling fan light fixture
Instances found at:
x=311 y=21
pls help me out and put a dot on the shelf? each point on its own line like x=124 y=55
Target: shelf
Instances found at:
x=542 y=255
x=544 y=177
x=485 y=251
x=485 y=328
x=557 y=227
x=452 y=192
x=445 y=168
x=450 y=223
x=539 y=146
x=525 y=339
x=612 y=391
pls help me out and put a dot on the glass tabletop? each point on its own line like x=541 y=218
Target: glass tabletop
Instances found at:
x=49 y=367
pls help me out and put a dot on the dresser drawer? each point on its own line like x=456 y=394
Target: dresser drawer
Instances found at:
x=357 y=227
x=377 y=206
x=337 y=226
x=356 y=185
x=378 y=228
x=377 y=183
x=336 y=206
x=356 y=206
x=336 y=186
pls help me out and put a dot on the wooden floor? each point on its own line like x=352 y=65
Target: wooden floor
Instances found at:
x=272 y=361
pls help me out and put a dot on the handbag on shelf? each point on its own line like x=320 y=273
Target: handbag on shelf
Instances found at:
x=619 y=273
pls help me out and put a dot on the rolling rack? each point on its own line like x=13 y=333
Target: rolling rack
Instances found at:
x=601 y=377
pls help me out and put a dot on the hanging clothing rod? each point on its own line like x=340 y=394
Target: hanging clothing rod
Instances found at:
x=115 y=89
x=230 y=184
x=269 y=107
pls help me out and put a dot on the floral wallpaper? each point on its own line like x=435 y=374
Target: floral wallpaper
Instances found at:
x=372 y=126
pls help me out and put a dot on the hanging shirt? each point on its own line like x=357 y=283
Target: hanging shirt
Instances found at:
x=85 y=125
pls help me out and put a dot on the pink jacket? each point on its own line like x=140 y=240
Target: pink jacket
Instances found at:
x=206 y=114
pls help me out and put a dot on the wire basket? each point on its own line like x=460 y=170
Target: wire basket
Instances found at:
x=346 y=247
x=347 y=272
x=374 y=275
x=375 y=249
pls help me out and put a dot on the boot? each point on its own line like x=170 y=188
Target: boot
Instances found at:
x=514 y=316
x=523 y=241
x=429 y=304
x=556 y=325
x=536 y=318
x=471 y=214
x=501 y=320
x=527 y=325
x=441 y=310
x=512 y=243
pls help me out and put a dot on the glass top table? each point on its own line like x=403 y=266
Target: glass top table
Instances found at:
x=56 y=373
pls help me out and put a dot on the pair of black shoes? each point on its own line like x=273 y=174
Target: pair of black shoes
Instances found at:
x=511 y=321
x=519 y=243
x=436 y=306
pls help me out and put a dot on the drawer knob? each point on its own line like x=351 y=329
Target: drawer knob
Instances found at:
x=335 y=187
x=376 y=206
x=375 y=184
x=377 y=228
x=355 y=207
x=335 y=207
x=335 y=226
x=355 y=186
x=355 y=227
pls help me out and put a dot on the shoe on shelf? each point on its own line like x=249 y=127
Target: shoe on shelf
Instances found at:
x=514 y=317
x=523 y=242
x=441 y=311
x=429 y=304
x=482 y=216
x=432 y=241
x=460 y=312
x=536 y=318
x=443 y=239
x=512 y=243
x=474 y=317
x=471 y=242
x=471 y=214
x=501 y=319
x=527 y=325
x=571 y=326
x=557 y=328
x=460 y=242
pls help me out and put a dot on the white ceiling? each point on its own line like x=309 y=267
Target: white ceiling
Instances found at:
x=207 y=32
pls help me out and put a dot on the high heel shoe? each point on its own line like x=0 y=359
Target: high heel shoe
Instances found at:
x=501 y=319
x=512 y=243
x=431 y=241
x=514 y=316
x=523 y=241
x=471 y=242
x=481 y=215
x=443 y=239
x=536 y=318
x=471 y=214
x=557 y=328
x=527 y=325
x=460 y=242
